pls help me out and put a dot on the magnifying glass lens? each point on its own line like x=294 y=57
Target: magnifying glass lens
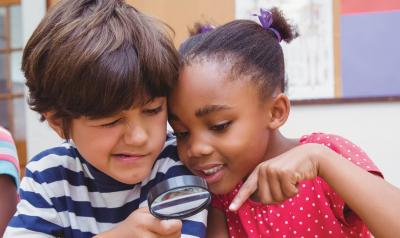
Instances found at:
x=179 y=197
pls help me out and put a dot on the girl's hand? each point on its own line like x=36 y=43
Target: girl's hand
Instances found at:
x=141 y=223
x=276 y=179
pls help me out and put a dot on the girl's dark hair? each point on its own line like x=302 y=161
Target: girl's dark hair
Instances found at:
x=249 y=49
x=96 y=57
x=196 y=34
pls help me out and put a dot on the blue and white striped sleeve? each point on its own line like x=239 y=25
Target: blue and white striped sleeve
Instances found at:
x=170 y=166
x=36 y=216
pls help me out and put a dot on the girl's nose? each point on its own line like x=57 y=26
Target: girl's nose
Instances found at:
x=199 y=148
x=135 y=135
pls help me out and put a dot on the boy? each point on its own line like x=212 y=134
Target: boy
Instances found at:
x=98 y=72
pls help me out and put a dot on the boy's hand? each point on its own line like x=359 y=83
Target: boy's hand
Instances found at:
x=276 y=179
x=141 y=223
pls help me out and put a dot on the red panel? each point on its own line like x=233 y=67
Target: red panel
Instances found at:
x=364 y=6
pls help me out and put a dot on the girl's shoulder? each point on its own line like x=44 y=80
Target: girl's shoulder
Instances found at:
x=345 y=148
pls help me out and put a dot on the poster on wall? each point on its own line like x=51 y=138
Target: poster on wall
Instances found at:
x=309 y=59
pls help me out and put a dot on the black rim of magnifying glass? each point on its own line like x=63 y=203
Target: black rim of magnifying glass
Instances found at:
x=185 y=181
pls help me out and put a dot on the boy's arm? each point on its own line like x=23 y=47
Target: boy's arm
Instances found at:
x=36 y=216
x=8 y=200
x=216 y=226
x=141 y=223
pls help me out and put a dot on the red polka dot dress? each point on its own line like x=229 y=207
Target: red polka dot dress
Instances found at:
x=316 y=211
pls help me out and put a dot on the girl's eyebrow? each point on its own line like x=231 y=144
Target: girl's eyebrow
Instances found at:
x=207 y=109
x=201 y=112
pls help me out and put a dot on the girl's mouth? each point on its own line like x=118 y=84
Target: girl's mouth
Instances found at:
x=212 y=174
x=212 y=170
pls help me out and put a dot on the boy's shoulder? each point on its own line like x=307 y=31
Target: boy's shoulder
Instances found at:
x=167 y=164
x=54 y=161
x=170 y=150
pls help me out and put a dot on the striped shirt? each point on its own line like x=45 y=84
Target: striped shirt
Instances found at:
x=8 y=156
x=64 y=196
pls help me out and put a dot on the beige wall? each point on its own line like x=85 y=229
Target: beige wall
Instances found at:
x=182 y=14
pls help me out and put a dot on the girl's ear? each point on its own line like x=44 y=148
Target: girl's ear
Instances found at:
x=55 y=124
x=279 y=111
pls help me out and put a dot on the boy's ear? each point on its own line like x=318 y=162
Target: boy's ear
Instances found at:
x=279 y=111
x=55 y=124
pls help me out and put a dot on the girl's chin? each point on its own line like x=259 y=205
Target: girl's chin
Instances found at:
x=221 y=189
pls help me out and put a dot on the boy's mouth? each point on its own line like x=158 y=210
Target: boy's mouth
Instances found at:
x=128 y=157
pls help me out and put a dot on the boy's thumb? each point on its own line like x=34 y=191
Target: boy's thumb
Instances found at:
x=170 y=226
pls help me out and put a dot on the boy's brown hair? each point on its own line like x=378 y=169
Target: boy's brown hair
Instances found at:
x=96 y=57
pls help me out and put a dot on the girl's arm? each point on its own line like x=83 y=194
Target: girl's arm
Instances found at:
x=373 y=199
x=216 y=224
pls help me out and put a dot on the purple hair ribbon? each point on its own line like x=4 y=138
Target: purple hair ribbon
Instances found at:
x=206 y=28
x=266 y=20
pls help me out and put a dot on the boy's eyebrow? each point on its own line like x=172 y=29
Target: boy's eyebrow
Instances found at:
x=210 y=109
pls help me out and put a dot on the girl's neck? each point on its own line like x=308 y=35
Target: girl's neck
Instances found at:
x=279 y=144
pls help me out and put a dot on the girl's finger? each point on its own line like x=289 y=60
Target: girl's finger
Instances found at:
x=247 y=189
x=275 y=187
x=289 y=185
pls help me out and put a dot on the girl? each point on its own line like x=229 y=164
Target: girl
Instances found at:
x=226 y=111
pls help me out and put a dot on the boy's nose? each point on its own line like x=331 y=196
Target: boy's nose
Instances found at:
x=135 y=135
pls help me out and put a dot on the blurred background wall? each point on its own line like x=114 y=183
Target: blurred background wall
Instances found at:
x=372 y=123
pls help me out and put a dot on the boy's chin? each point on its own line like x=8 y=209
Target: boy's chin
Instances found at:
x=132 y=177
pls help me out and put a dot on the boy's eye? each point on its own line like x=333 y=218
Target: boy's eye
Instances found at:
x=221 y=127
x=153 y=111
x=113 y=123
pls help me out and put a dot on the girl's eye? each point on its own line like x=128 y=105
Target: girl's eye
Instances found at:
x=181 y=134
x=111 y=124
x=221 y=127
x=153 y=111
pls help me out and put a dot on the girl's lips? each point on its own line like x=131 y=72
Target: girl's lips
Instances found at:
x=211 y=174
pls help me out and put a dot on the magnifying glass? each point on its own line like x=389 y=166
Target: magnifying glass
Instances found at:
x=179 y=197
